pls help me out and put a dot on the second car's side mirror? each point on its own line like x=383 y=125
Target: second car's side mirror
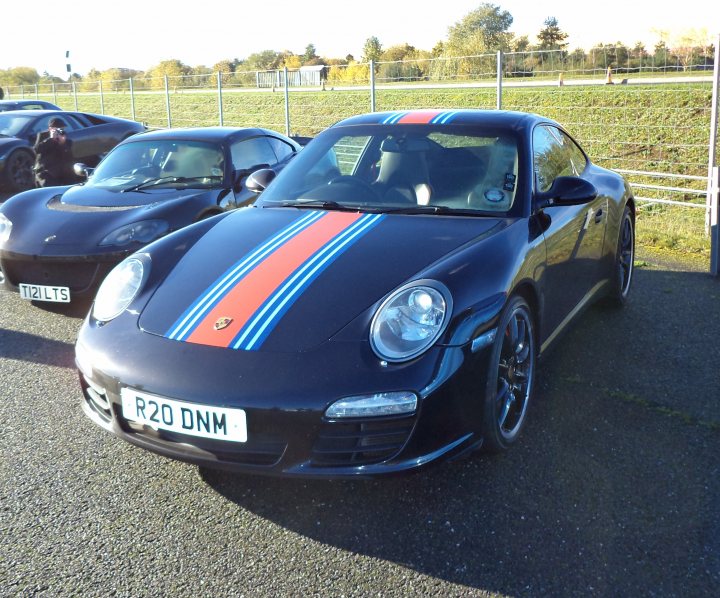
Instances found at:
x=258 y=181
x=567 y=191
x=82 y=170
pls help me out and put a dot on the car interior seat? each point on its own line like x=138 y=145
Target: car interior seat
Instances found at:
x=496 y=190
x=403 y=175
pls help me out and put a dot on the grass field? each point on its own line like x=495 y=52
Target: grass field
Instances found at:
x=654 y=128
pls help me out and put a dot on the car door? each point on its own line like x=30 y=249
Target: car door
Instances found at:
x=91 y=141
x=575 y=234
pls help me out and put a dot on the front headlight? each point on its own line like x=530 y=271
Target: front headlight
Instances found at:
x=119 y=289
x=5 y=228
x=410 y=320
x=140 y=232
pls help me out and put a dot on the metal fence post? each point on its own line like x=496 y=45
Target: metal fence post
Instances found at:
x=287 y=103
x=37 y=93
x=54 y=92
x=167 y=102
x=372 y=85
x=220 y=101
x=499 y=79
x=74 y=88
x=132 y=99
x=22 y=91
x=713 y=135
x=102 y=97
x=715 y=222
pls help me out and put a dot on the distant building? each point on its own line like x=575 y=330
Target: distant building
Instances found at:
x=306 y=76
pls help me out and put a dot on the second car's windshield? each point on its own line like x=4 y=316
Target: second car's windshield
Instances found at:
x=160 y=163
x=402 y=168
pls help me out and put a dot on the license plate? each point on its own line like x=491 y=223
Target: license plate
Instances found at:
x=192 y=419
x=38 y=292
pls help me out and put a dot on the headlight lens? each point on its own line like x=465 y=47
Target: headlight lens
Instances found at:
x=118 y=289
x=5 y=228
x=410 y=320
x=138 y=232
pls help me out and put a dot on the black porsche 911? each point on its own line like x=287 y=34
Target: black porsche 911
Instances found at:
x=92 y=137
x=57 y=243
x=380 y=307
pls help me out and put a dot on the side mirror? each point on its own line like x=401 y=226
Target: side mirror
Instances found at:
x=567 y=191
x=258 y=181
x=82 y=170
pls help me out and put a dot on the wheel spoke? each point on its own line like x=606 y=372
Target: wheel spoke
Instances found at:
x=506 y=407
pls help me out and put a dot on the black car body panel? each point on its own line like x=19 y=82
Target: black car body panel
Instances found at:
x=6 y=105
x=58 y=229
x=232 y=314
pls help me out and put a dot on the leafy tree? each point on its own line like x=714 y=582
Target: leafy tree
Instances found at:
x=292 y=62
x=263 y=61
x=482 y=30
x=372 y=50
x=551 y=37
x=310 y=53
x=20 y=75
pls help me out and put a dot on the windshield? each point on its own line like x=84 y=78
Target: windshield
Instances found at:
x=160 y=163
x=404 y=168
x=12 y=123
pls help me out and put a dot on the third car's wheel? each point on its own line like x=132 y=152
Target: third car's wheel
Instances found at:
x=624 y=260
x=511 y=375
x=19 y=171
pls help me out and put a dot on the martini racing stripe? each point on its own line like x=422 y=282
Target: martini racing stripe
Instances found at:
x=249 y=294
x=423 y=117
x=185 y=323
x=261 y=325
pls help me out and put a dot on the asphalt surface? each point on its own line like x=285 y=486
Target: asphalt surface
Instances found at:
x=613 y=490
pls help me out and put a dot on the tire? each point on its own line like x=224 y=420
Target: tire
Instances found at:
x=19 y=171
x=511 y=376
x=623 y=268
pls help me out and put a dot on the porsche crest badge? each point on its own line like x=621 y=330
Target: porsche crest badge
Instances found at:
x=222 y=323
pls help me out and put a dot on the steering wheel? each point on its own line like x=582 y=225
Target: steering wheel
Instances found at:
x=359 y=184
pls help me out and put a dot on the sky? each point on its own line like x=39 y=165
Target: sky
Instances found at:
x=140 y=34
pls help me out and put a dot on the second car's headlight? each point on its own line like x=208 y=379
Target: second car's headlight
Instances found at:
x=140 y=232
x=5 y=228
x=410 y=320
x=119 y=289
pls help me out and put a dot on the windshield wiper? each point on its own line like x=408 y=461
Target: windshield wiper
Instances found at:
x=431 y=210
x=167 y=179
x=314 y=204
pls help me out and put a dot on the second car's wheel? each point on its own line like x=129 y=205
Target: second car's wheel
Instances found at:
x=624 y=261
x=19 y=171
x=511 y=376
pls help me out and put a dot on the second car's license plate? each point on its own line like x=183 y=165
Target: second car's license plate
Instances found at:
x=220 y=423
x=38 y=292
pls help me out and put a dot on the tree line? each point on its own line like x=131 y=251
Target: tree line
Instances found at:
x=482 y=31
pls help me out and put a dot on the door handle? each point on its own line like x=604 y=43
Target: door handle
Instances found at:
x=598 y=216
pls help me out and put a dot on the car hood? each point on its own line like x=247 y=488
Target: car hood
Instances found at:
x=73 y=220
x=281 y=279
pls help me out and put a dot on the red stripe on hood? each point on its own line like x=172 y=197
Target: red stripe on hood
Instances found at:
x=246 y=297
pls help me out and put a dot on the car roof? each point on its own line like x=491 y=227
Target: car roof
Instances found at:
x=492 y=118
x=24 y=102
x=204 y=133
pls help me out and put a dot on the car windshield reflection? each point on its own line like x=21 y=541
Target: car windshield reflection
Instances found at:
x=143 y=165
x=11 y=124
x=404 y=169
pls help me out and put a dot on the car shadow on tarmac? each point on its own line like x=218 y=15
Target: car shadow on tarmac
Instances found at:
x=23 y=346
x=613 y=488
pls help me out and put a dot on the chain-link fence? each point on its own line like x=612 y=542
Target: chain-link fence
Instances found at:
x=653 y=123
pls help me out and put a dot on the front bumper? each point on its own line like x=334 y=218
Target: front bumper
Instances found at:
x=81 y=274
x=285 y=402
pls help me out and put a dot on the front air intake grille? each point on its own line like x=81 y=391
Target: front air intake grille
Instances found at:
x=77 y=275
x=361 y=442
x=97 y=399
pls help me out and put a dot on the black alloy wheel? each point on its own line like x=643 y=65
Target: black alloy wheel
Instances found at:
x=624 y=260
x=19 y=171
x=510 y=377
